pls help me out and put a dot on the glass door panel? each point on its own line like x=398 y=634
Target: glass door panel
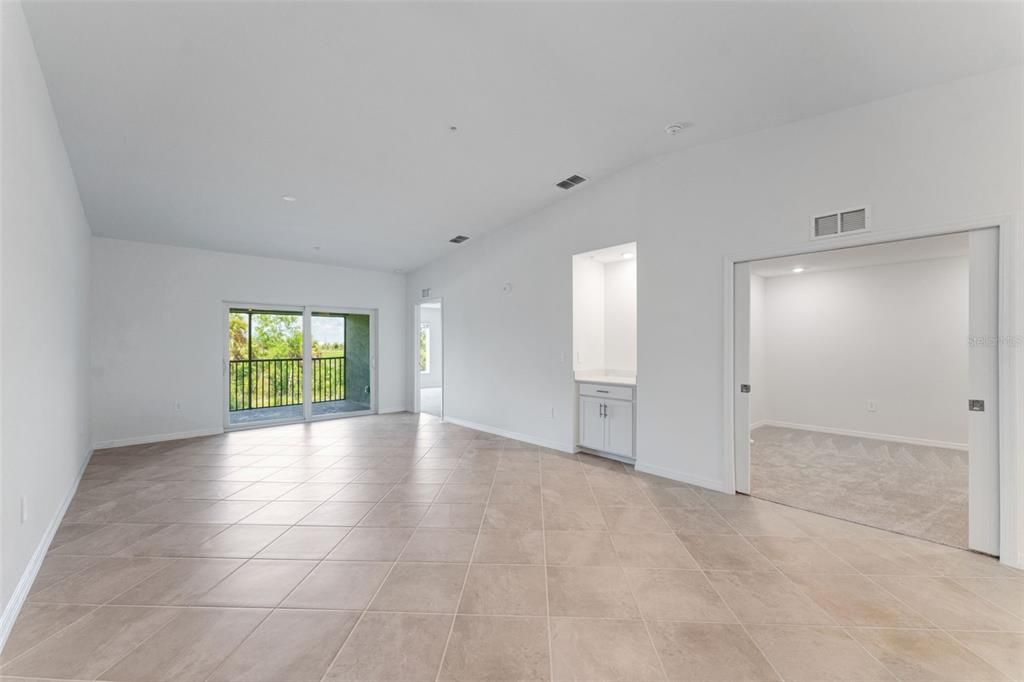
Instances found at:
x=340 y=350
x=265 y=367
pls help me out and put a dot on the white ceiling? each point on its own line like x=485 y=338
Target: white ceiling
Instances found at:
x=904 y=251
x=187 y=121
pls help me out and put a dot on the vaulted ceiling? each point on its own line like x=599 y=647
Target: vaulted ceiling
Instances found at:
x=186 y=122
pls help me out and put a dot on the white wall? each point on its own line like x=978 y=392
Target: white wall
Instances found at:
x=929 y=157
x=158 y=330
x=588 y=312
x=620 y=316
x=45 y=295
x=760 y=392
x=432 y=317
x=895 y=334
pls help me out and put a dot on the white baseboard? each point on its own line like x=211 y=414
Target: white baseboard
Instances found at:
x=28 y=576
x=392 y=410
x=682 y=477
x=526 y=438
x=863 y=434
x=158 y=438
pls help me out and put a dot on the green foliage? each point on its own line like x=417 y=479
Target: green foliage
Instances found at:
x=424 y=348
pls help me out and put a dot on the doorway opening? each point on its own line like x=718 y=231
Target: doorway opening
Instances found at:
x=288 y=364
x=857 y=381
x=429 y=370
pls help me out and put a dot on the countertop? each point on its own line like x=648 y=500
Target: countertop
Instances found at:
x=585 y=378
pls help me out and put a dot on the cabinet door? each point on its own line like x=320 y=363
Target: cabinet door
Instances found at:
x=591 y=423
x=619 y=427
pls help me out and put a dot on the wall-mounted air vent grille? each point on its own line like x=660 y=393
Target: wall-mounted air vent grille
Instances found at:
x=840 y=223
x=458 y=239
x=571 y=182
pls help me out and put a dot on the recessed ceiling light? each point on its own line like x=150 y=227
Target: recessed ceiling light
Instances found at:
x=798 y=270
x=628 y=255
x=453 y=129
x=287 y=197
x=676 y=128
x=316 y=248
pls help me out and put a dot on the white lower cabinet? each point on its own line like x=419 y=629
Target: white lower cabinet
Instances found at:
x=606 y=425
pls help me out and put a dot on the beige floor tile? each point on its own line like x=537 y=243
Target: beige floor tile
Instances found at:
x=948 y=604
x=56 y=568
x=665 y=594
x=580 y=548
x=767 y=598
x=702 y=521
x=497 y=648
x=238 y=542
x=590 y=591
x=190 y=647
x=1007 y=593
x=341 y=585
x=176 y=540
x=515 y=493
x=510 y=547
x=799 y=555
x=260 y=582
x=371 y=544
x=337 y=514
x=925 y=655
x=314 y=492
x=100 y=582
x=263 y=491
x=634 y=520
x=288 y=645
x=651 y=550
x=394 y=515
x=108 y=540
x=453 y=516
x=505 y=591
x=363 y=492
x=872 y=556
x=36 y=622
x=440 y=544
x=412 y=492
x=856 y=600
x=385 y=647
x=573 y=517
x=513 y=517
x=459 y=493
x=725 y=553
x=758 y=521
x=179 y=584
x=69 y=532
x=305 y=542
x=675 y=497
x=709 y=652
x=812 y=654
x=1002 y=650
x=92 y=644
x=223 y=511
x=624 y=494
x=280 y=512
x=598 y=649
x=421 y=588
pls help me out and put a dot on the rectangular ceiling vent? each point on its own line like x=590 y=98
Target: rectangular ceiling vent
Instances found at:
x=458 y=239
x=571 y=182
x=840 y=223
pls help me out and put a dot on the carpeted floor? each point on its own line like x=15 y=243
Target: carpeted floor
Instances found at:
x=911 y=489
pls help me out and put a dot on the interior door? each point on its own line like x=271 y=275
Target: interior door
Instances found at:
x=741 y=375
x=592 y=423
x=983 y=421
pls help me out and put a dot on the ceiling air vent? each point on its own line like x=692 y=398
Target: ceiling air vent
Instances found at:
x=571 y=182
x=840 y=223
x=458 y=239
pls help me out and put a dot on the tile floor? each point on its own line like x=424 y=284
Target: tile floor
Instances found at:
x=910 y=489
x=399 y=548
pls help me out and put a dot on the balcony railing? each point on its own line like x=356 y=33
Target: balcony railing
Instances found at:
x=254 y=384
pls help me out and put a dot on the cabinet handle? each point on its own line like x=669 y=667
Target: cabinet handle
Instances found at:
x=601 y=391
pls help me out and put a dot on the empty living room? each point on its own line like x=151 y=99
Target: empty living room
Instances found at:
x=568 y=340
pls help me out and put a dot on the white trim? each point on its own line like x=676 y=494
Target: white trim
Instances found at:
x=682 y=477
x=1011 y=371
x=863 y=434
x=156 y=438
x=526 y=438
x=28 y=576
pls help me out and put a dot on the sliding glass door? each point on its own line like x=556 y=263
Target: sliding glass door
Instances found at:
x=290 y=364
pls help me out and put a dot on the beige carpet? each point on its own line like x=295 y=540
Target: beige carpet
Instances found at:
x=911 y=489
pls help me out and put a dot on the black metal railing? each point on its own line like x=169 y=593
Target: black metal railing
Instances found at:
x=255 y=384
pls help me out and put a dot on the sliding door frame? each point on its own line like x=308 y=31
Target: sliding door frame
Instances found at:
x=1011 y=369
x=307 y=361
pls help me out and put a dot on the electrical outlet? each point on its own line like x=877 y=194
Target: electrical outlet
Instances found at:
x=24 y=510
x=872 y=406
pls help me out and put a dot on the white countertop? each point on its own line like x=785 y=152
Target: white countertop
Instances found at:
x=596 y=378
